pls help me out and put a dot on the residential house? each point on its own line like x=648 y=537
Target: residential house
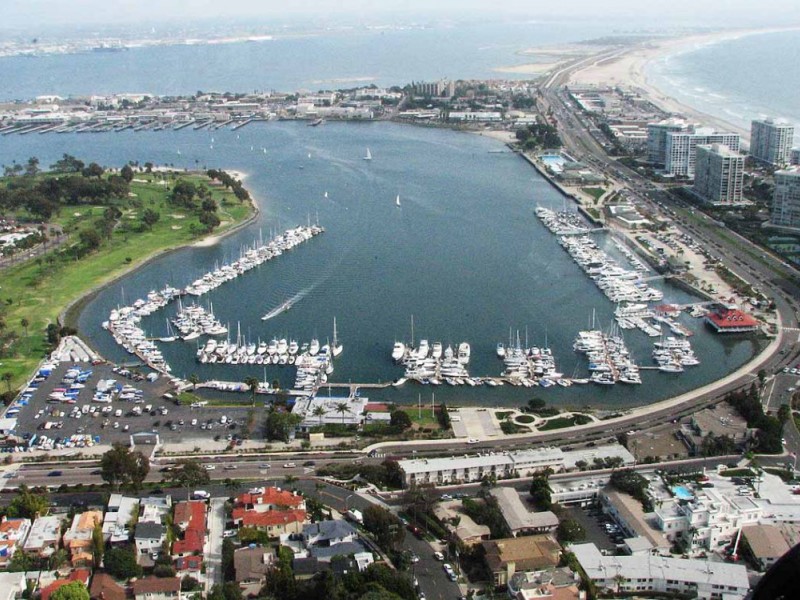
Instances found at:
x=81 y=575
x=190 y=518
x=78 y=538
x=13 y=533
x=467 y=531
x=105 y=588
x=324 y=540
x=120 y=512
x=505 y=557
x=278 y=512
x=44 y=536
x=149 y=537
x=157 y=588
x=251 y=566
x=549 y=584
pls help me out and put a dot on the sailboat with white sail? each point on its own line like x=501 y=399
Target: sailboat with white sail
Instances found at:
x=397 y=200
x=368 y=155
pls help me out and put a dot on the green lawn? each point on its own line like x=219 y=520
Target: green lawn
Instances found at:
x=425 y=420
x=594 y=192
x=41 y=289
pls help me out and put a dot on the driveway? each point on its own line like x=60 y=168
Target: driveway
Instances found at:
x=216 y=525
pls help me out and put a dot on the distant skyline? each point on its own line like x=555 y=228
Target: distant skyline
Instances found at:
x=33 y=15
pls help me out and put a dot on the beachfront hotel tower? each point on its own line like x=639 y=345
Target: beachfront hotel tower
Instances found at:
x=681 y=149
x=657 y=139
x=719 y=174
x=786 y=199
x=771 y=141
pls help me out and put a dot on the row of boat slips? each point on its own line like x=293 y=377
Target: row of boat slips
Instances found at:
x=432 y=364
x=531 y=366
x=640 y=316
x=277 y=352
x=609 y=359
x=194 y=321
x=252 y=258
x=123 y=323
x=617 y=283
x=673 y=354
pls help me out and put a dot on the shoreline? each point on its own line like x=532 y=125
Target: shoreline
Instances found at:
x=630 y=69
x=68 y=317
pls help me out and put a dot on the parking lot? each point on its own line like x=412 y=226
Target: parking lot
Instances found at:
x=131 y=405
x=598 y=526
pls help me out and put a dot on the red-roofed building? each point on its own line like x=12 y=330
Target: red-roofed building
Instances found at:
x=13 y=533
x=81 y=575
x=731 y=320
x=190 y=518
x=274 y=522
x=271 y=498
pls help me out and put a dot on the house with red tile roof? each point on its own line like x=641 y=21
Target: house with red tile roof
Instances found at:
x=105 y=588
x=274 y=522
x=13 y=533
x=190 y=518
x=271 y=498
x=81 y=575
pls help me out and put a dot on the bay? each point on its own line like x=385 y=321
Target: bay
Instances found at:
x=464 y=254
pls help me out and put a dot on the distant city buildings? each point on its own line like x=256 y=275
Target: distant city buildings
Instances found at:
x=719 y=174
x=771 y=141
x=437 y=89
x=786 y=198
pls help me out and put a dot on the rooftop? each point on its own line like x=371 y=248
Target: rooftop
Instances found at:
x=271 y=496
x=517 y=515
x=269 y=518
x=765 y=541
x=528 y=553
x=155 y=585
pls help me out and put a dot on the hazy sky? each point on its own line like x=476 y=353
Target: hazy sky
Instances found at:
x=30 y=15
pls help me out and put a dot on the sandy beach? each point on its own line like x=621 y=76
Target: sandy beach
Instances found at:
x=629 y=68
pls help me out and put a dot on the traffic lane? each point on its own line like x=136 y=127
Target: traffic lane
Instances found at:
x=433 y=581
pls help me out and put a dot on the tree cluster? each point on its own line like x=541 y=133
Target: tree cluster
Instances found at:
x=770 y=429
x=717 y=445
x=279 y=425
x=120 y=562
x=231 y=183
x=376 y=582
x=630 y=482
x=487 y=512
x=541 y=494
x=119 y=467
x=539 y=135
x=385 y=527
x=196 y=198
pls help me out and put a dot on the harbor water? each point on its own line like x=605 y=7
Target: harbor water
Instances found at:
x=463 y=253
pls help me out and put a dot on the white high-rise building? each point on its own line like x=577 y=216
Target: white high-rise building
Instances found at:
x=719 y=174
x=657 y=139
x=681 y=149
x=771 y=141
x=786 y=199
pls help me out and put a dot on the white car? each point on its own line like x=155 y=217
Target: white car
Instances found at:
x=438 y=556
x=472 y=441
x=209 y=467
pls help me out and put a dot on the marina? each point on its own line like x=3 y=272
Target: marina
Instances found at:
x=377 y=264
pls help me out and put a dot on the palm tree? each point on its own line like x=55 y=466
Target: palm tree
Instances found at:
x=319 y=412
x=619 y=580
x=194 y=379
x=252 y=384
x=342 y=408
x=24 y=322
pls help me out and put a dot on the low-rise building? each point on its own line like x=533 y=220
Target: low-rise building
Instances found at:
x=519 y=519
x=190 y=519
x=149 y=537
x=556 y=584
x=104 y=587
x=13 y=533
x=271 y=509
x=43 y=538
x=324 y=540
x=648 y=573
x=720 y=420
x=157 y=588
x=252 y=565
x=731 y=320
x=120 y=512
x=80 y=575
x=505 y=557
x=78 y=538
x=765 y=544
x=468 y=532
x=631 y=519
x=12 y=585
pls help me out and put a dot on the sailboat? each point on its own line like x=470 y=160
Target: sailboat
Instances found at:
x=368 y=155
x=337 y=348
x=397 y=200
x=326 y=194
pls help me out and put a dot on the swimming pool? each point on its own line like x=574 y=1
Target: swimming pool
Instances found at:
x=682 y=493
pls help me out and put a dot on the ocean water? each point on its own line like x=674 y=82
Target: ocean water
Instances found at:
x=738 y=80
x=464 y=254
x=336 y=59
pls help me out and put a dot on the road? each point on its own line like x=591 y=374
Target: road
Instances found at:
x=216 y=525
